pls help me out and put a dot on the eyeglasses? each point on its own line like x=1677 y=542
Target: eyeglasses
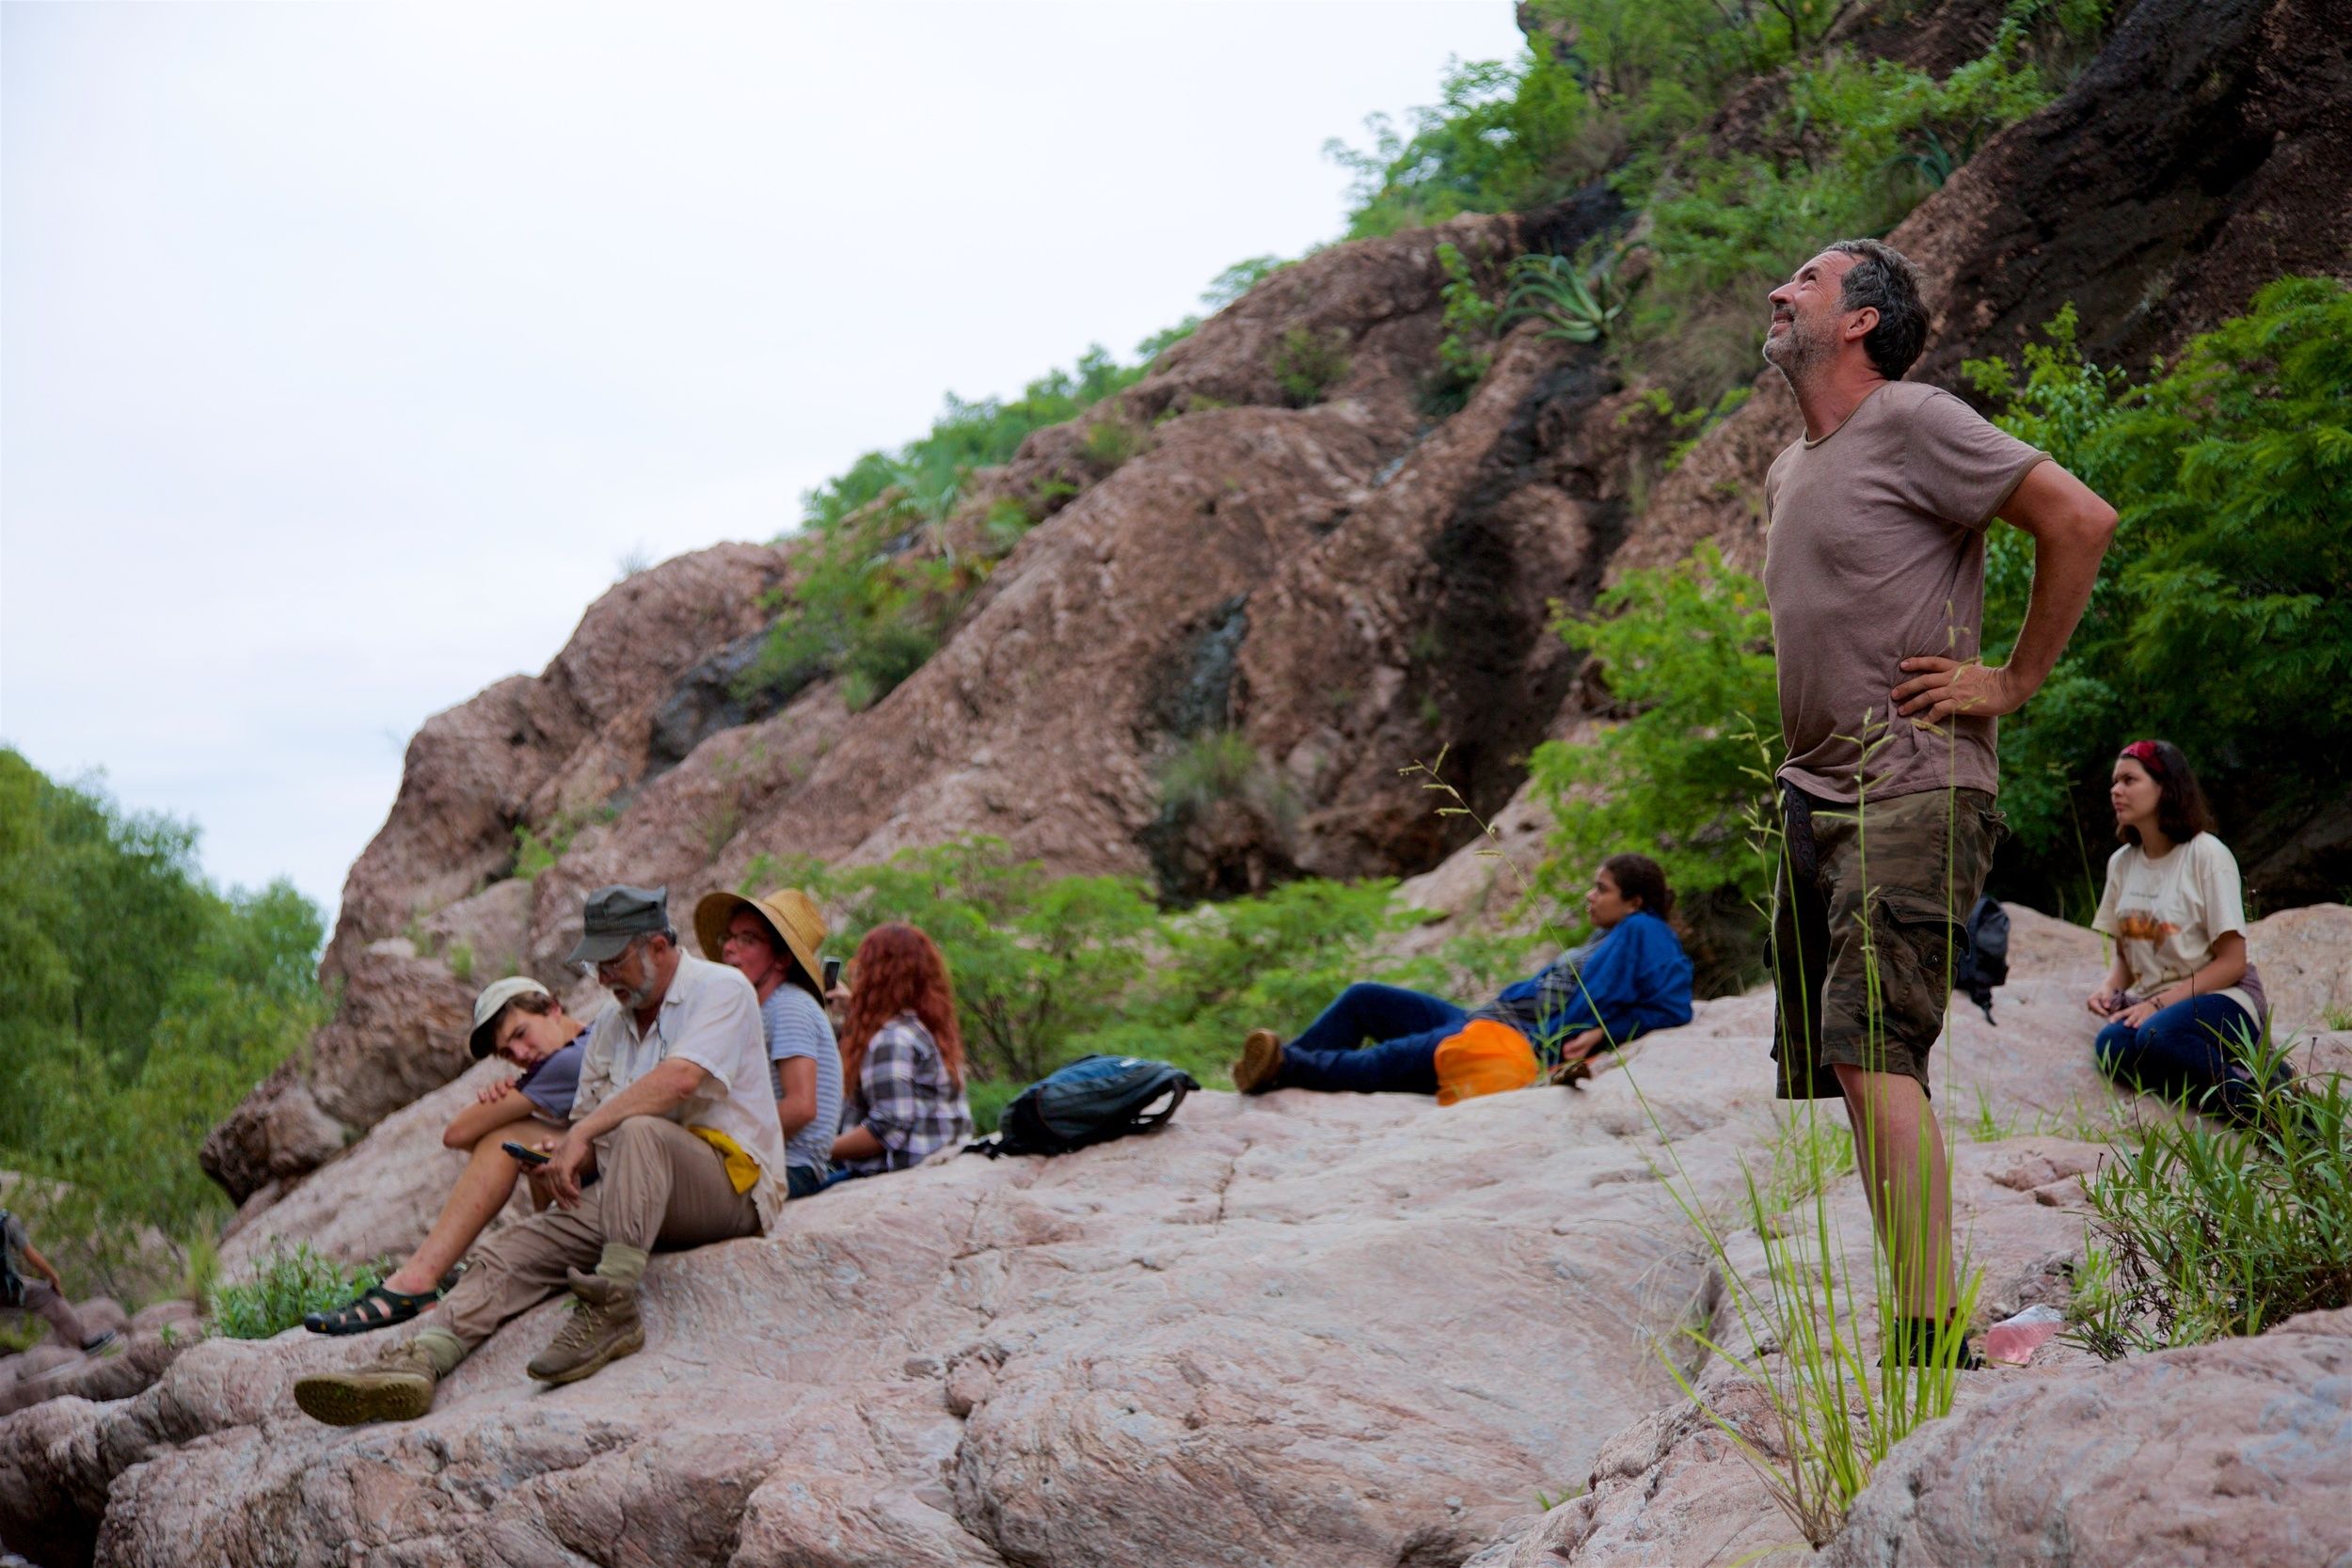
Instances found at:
x=604 y=965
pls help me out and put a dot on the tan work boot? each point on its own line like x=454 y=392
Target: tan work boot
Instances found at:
x=604 y=1327
x=1261 y=1059
x=396 y=1386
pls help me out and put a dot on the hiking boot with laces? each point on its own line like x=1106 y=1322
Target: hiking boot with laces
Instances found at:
x=397 y=1386
x=604 y=1327
x=1261 y=1060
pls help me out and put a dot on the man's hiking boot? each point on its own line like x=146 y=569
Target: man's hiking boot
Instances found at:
x=604 y=1327
x=397 y=1386
x=1261 y=1061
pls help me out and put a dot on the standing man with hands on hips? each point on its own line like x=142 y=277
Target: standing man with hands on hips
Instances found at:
x=1874 y=573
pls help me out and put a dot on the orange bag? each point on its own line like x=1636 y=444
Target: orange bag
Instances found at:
x=1487 y=1057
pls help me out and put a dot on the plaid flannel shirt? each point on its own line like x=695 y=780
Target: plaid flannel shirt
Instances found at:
x=905 y=1098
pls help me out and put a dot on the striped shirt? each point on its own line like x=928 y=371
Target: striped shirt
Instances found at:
x=797 y=1026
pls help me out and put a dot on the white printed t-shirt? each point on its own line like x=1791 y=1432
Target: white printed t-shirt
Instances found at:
x=710 y=1016
x=2165 y=914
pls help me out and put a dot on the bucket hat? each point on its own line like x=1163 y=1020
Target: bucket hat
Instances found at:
x=791 y=915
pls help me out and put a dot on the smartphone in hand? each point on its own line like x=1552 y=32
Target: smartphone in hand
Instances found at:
x=832 y=974
x=528 y=1156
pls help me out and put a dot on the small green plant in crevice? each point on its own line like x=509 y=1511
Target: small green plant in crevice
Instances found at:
x=2336 y=1016
x=1467 y=350
x=284 y=1285
x=2209 y=1229
x=535 y=853
x=1110 y=442
x=1576 y=305
x=1990 y=1127
x=1307 y=364
x=1215 y=766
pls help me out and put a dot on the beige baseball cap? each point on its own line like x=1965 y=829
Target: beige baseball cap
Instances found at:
x=492 y=1002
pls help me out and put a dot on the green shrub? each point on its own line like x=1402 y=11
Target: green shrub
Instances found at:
x=1467 y=347
x=2209 y=1229
x=283 y=1286
x=1110 y=442
x=1688 y=649
x=1218 y=765
x=1050 y=968
x=1307 y=364
x=2232 y=471
x=1862 y=142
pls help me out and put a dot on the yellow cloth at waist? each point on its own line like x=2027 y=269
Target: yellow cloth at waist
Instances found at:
x=741 y=1168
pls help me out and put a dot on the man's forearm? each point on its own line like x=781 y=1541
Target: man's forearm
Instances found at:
x=2069 y=527
x=2065 y=568
x=657 y=1093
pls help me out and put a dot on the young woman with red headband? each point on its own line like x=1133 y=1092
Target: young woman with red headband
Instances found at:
x=2184 y=1004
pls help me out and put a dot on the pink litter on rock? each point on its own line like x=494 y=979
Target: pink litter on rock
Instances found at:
x=2014 y=1339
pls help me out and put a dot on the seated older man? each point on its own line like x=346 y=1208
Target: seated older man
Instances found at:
x=675 y=1117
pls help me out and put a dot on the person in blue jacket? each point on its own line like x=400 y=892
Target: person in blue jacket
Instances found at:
x=1632 y=977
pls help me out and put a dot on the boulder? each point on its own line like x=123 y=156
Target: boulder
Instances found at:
x=2235 y=1452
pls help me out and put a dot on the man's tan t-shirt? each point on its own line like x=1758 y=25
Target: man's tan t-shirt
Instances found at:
x=1874 y=553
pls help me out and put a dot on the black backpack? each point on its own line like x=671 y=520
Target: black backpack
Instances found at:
x=1984 y=957
x=1090 y=1101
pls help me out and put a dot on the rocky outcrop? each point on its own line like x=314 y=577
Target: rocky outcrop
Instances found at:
x=1311 y=1329
x=2092 y=1465
x=478 y=771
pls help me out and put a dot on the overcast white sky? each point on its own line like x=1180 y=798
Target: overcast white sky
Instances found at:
x=345 y=350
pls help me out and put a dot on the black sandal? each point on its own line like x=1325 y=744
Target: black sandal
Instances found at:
x=361 y=1315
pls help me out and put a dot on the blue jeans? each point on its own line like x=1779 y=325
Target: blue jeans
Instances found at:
x=1404 y=1027
x=2180 y=1054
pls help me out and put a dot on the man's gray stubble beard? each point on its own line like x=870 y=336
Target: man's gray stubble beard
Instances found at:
x=1794 y=355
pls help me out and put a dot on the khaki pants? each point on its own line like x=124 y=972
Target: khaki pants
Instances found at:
x=660 y=1189
x=40 y=1297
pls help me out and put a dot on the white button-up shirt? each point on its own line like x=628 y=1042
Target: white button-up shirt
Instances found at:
x=710 y=1017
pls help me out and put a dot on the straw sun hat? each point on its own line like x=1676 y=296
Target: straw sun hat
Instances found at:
x=791 y=915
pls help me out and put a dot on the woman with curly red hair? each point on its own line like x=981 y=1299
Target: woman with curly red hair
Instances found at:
x=901 y=1056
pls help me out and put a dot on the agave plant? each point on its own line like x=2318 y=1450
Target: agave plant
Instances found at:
x=1576 y=309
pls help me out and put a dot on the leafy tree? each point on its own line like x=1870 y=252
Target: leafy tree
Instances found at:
x=136 y=1008
x=2223 y=615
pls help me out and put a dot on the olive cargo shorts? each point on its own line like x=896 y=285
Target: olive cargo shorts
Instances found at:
x=1926 y=855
